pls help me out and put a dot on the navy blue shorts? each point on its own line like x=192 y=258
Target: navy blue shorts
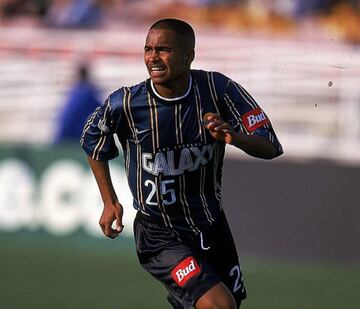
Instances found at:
x=189 y=264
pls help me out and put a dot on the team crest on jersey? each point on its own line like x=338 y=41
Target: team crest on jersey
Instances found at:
x=254 y=119
x=102 y=126
x=185 y=270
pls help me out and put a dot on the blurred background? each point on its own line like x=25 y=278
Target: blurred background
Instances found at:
x=295 y=219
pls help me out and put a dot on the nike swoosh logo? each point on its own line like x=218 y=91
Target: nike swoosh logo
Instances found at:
x=142 y=131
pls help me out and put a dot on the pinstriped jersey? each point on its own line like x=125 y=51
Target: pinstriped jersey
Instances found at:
x=173 y=164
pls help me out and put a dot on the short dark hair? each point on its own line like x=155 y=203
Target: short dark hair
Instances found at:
x=180 y=27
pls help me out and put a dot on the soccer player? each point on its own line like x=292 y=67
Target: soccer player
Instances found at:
x=173 y=129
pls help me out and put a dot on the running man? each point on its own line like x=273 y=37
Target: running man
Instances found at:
x=173 y=129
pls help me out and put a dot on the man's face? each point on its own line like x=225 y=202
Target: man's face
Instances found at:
x=166 y=60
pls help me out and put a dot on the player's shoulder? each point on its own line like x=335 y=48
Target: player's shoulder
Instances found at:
x=218 y=79
x=215 y=80
x=116 y=98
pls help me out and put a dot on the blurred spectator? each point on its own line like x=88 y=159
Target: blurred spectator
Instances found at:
x=75 y=14
x=82 y=100
x=14 y=8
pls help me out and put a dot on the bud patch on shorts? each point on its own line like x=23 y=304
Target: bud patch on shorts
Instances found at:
x=254 y=119
x=185 y=270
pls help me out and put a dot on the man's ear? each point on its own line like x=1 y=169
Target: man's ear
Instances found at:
x=189 y=57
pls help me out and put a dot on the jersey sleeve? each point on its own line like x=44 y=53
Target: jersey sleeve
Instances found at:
x=98 y=134
x=242 y=112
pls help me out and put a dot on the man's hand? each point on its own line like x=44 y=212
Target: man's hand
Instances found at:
x=112 y=212
x=253 y=144
x=219 y=129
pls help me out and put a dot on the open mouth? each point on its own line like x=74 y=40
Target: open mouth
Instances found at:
x=157 y=71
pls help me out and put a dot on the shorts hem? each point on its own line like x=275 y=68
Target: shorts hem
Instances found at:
x=202 y=292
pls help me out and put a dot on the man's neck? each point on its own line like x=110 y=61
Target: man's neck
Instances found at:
x=174 y=89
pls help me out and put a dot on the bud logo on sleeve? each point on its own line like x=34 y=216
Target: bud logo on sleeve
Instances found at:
x=185 y=270
x=254 y=119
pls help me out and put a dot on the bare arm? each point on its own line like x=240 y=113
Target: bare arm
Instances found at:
x=254 y=145
x=113 y=210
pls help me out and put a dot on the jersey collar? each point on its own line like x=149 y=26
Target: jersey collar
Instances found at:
x=170 y=99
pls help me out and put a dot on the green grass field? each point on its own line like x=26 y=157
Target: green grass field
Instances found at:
x=41 y=271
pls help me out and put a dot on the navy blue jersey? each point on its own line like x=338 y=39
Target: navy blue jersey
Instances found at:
x=173 y=164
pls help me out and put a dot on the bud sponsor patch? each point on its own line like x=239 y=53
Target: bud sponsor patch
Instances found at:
x=185 y=270
x=254 y=119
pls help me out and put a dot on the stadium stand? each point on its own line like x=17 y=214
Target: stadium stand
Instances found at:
x=304 y=72
x=309 y=88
